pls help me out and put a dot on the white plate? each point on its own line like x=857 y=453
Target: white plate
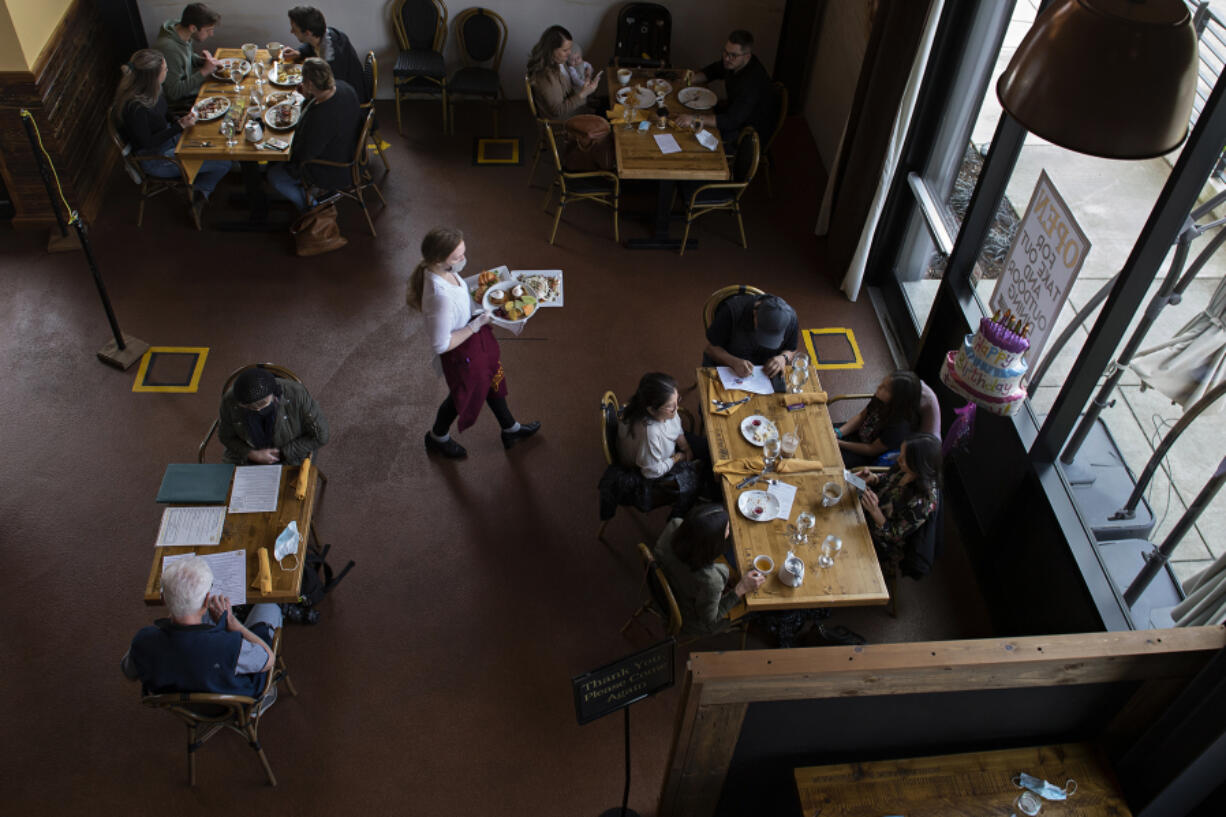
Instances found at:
x=277 y=97
x=277 y=77
x=759 y=434
x=659 y=86
x=697 y=99
x=217 y=114
x=270 y=116
x=470 y=281
x=498 y=319
x=241 y=66
x=554 y=296
x=636 y=97
x=759 y=506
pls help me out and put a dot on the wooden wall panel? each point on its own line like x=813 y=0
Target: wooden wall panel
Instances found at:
x=68 y=91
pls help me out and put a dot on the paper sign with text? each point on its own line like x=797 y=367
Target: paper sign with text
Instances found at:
x=1043 y=262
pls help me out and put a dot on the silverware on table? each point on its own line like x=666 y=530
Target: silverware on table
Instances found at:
x=199 y=144
x=724 y=405
x=749 y=480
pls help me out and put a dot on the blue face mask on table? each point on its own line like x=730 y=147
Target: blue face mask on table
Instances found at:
x=1048 y=791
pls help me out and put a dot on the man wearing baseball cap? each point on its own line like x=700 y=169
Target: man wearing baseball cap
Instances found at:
x=267 y=420
x=750 y=330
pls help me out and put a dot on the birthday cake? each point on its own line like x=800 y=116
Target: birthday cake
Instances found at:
x=988 y=369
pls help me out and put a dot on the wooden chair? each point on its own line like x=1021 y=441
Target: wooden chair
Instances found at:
x=662 y=602
x=542 y=125
x=708 y=198
x=359 y=170
x=781 y=99
x=207 y=713
x=599 y=186
x=421 y=31
x=277 y=371
x=481 y=35
x=150 y=186
x=370 y=68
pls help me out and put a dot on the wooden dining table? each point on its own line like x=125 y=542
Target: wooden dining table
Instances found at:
x=252 y=531
x=639 y=157
x=203 y=141
x=855 y=579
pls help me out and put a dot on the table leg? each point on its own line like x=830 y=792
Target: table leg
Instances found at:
x=660 y=239
x=256 y=201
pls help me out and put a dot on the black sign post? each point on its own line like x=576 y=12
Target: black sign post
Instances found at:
x=616 y=686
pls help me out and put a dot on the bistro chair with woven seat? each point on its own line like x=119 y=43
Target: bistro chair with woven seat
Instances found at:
x=481 y=36
x=781 y=99
x=207 y=713
x=722 y=294
x=370 y=68
x=359 y=173
x=702 y=198
x=542 y=144
x=599 y=186
x=150 y=186
x=421 y=31
x=661 y=601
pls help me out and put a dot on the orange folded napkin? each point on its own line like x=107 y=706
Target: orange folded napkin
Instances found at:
x=810 y=398
x=716 y=391
x=738 y=467
x=620 y=115
x=301 y=488
x=798 y=466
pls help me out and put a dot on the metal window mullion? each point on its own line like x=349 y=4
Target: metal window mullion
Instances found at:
x=938 y=218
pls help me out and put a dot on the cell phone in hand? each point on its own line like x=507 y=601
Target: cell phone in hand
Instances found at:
x=854 y=481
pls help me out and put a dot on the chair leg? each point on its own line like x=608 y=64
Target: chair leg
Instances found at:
x=536 y=157
x=254 y=742
x=365 y=210
x=445 y=103
x=616 y=232
x=191 y=755
x=399 y=125
x=387 y=168
x=548 y=195
x=556 y=218
x=741 y=225
x=140 y=208
x=643 y=609
x=686 y=235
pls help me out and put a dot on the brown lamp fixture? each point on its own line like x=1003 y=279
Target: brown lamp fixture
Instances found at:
x=1110 y=78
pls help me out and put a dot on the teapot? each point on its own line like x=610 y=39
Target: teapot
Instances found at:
x=793 y=571
x=253 y=130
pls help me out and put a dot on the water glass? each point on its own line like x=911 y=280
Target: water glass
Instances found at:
x=834 y=544
x=227 y=130
x=258 y=68
x=770 y=453
x=826 y=559
x=797 y=378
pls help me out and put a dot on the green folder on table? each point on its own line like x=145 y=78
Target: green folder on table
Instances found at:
x=206 y=484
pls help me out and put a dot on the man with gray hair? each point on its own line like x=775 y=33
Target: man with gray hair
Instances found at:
x=202 y=647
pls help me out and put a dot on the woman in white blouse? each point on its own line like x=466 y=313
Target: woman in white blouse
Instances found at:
x=650 y=433
x=467 y=350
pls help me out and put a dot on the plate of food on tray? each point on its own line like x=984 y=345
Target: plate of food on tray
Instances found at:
x=760 y=506
x=545 y=285
x=509 y=302
x=758 y=429
x=210 y=108
x=659 y=86
x=697 y=99
x=480 y=283
x=283 y=115
x=636 y=96
x=286 y=75
x=226 y=69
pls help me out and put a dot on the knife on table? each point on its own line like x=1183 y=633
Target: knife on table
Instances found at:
x=749 y=480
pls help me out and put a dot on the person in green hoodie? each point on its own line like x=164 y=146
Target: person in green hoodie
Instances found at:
x=185 y=70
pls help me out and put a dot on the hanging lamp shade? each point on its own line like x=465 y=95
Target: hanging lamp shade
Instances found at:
x=1110 y=78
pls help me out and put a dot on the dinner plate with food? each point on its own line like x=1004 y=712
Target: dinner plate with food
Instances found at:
x=210 y=108
x=227 y=68
x=286 y=75
x=659 y=86
x=283 y=116
x=758 y=429
x=545 y=285
x=509 y=303
x=636 y=96
x=697 y=99
x=760 y=506
x=277 y=97
x=481 y=282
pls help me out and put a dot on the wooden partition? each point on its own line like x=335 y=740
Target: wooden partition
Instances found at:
x=68 y=90
x=747 y=718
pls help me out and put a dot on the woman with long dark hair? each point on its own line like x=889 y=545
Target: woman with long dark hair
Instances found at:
x=891 y=415
x=650 y=434
x=555 y=96
x=902 y=499
x=143 y=120
x=467 y=351
x=687 y=551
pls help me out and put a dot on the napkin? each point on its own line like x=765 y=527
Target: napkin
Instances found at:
x=812 y=398
x=798 y=466
x=716 y=391
x=738 y=467
x=620 y=114
x=707 y=140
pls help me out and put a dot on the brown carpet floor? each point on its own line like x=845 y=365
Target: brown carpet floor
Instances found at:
x=437 y=682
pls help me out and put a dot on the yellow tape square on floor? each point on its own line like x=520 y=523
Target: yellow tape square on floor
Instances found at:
x=495 y=151
x=175 y=369
x=833 y=348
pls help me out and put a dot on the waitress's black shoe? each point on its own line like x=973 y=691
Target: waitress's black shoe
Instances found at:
x=526 y=430
x=449 y=448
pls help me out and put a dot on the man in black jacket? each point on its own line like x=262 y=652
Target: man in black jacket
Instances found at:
x=318 y=39
x=329 y=128
x=751 y=100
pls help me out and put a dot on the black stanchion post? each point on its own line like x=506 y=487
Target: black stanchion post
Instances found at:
x=624 y=811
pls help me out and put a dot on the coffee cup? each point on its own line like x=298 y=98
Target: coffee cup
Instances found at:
x=832 y=492
x=274 y=50
x=623 y=75
x=764 y=564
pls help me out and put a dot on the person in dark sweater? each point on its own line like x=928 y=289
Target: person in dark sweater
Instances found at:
x=751 y=100
x=318 y=39
x=143 y=120
x=202 y=647
x=329 y=128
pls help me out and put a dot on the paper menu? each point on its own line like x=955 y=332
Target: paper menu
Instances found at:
x=256 y=489
x=667 y=143
x=757 y=382
x=192 y=526
x=786 y=494
x=229 y=573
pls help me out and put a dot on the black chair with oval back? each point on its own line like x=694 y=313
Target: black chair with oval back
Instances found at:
x=421 y=31
x=481 y=35
x=702 y=198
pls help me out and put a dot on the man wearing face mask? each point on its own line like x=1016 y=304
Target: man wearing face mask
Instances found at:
x=266 y=420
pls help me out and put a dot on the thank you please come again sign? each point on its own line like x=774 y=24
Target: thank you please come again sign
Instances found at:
x=615 y=686
x=1043 y=262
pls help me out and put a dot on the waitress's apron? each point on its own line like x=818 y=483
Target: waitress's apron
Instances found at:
x=473 y=372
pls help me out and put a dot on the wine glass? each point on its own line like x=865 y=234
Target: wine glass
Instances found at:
x=258 y=68
x=804 y=523
x=835 y=544
x=797 y=379
x=826 y=559
x=237 y=76
x=227 y=130
x=771 y=450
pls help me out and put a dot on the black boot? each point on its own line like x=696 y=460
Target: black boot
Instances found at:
x=525 y=430
x=449 y=448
